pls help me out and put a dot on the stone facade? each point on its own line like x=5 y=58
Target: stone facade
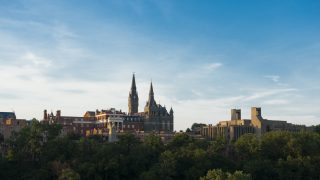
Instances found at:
x=234 y=128
x=156 y=117
x=133 y=99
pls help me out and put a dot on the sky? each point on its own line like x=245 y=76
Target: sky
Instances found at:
x=203 y=57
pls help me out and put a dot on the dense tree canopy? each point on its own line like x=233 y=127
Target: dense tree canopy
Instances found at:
x=39 y=152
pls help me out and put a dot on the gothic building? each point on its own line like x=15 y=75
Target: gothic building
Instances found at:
x=156 y=117
x=133 y=100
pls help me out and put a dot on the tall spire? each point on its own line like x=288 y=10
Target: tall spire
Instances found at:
x=151 y=94
x=171 y=111
x=133 y=100
x=133 y=84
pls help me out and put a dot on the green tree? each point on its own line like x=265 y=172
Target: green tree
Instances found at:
x=317 y=129
x=247 y=146
x=69 y=174
x=197 y=126
x=179 y=141
x=215 y=174
x=218 y=174
x=154 y=142
x=274 y=145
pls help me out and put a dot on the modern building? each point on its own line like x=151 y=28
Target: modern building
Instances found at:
x=234 y=128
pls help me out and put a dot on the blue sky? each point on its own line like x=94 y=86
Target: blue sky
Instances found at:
x=204 y=58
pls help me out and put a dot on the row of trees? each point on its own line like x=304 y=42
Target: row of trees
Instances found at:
x=39 y=152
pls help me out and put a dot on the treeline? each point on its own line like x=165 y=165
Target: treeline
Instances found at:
x=39 y=152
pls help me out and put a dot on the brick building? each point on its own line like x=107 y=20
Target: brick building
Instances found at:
x=9 y=123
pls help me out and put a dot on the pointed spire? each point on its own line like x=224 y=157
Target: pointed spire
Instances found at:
x=151 y=90
x=133 y=100
x=171 y=110
x=151 y=95
x=133 y=84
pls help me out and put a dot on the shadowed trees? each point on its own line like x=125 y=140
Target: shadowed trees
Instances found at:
x=39 y=152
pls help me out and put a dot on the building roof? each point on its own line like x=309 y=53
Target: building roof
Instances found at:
x=91 y=113
x=6 y=115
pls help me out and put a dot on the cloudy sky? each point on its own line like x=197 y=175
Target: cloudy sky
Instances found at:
x=204 y=58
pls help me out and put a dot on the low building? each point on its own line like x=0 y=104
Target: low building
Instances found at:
x=133 y=123
x=236 y=127
x=97 y=122
x=9 y=123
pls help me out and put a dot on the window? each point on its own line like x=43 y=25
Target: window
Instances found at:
x=8 y=122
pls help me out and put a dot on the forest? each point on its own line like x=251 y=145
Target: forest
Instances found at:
x=40 y=152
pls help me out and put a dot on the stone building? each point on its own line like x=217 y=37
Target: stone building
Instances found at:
x=156 y=117
x=262 y=125
x=133 y=99
x=234 y=128
x=9 y=123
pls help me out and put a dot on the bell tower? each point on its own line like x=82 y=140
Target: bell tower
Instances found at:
x=133 y=100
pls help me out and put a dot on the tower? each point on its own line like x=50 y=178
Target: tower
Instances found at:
x=151 y=105
x=257 y=120
x=151 y=95
x=235 y=114
x=133 y=100
x=45 y=115
x=171 y=120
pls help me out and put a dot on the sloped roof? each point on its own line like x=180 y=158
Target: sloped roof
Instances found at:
x=91 y=113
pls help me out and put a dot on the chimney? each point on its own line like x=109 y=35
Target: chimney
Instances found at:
x=58 y=114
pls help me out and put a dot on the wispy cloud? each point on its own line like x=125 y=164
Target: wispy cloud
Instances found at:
x=54 y=55
x=213 y=66
x=274 y=78
x=276 y=102
x=36 y=60
x=267 y=93
x=200 y=71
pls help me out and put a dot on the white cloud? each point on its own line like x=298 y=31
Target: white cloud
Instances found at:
x=36 y=60
x=276 y=102
x=274 y=78
x=213 y=66
x=267 y=93
x=61 y=60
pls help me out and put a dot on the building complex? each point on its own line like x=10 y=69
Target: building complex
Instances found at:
x=154 y=118
x=234 y=128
